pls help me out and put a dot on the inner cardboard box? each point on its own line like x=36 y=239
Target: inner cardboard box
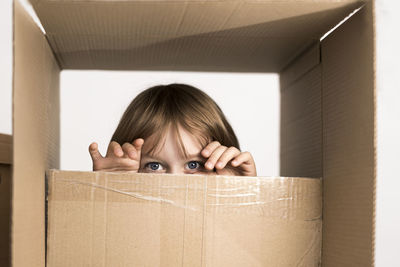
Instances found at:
x=327 y=93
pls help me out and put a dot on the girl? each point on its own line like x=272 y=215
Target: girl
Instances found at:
x=174 y=128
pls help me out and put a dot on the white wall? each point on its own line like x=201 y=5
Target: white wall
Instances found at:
x=93 y=102
x=388 y=132
x=5 y=66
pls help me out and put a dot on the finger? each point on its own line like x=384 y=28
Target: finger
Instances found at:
x=216 y=154
x=229 y=154
x=129 y=151
x=209 y=149
x=246 y=164
x=114 y=149
x=244 y=157
x=94 y=152
x=138 y=144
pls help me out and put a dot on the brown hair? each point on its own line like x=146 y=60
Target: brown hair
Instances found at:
x=156 y=109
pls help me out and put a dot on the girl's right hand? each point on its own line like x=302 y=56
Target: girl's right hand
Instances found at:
x=125 y=158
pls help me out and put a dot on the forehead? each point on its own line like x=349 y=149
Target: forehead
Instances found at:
x=190 y=142
x=173 y=142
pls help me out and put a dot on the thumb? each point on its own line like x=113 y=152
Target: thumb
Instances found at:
x=94 y=152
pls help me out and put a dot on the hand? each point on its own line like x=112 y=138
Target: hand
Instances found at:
x=125 y=158
x=228 y=161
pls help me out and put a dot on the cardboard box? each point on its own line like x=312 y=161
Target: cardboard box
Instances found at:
x=327 y=92
x=5 y=198
x=114 y=219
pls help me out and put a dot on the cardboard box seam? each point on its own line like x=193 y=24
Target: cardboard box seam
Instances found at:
x=57 y=59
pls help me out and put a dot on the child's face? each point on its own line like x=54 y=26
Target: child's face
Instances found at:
x=170 y=159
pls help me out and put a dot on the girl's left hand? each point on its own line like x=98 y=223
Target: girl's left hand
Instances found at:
x=228 y=160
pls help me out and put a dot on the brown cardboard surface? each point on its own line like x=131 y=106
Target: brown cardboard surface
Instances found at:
x=301 y=120
x=328 y=133
x=299 y=66
x=5 y=214
x=349 y=142
x=114 y=219
x=240 y=35
x=5 y=149
x=35 y=137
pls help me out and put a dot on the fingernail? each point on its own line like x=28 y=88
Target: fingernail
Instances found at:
x=234 y=162
x=219 y=165
x=209 y=165
x=206 y=152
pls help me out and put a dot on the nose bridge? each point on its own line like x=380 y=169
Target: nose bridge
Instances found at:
x=175 y=169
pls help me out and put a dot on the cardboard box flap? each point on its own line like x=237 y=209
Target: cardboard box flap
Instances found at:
x=254 y=36
x=349 y=144
x=110 y=219
x=35 y=136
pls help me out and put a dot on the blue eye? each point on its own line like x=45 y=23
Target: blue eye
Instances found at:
x=193 y=165
x=153 y=165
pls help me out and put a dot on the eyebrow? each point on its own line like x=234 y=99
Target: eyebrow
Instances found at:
x=197 y=156
x=151 y=158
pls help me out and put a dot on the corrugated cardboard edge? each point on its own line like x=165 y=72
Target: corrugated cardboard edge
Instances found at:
x=6 y=149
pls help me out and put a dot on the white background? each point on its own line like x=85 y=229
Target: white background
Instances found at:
x=388 y=119
x=93 y=102
x=387 y=243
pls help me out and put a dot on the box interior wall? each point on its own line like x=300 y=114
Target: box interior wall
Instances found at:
x=327 y=89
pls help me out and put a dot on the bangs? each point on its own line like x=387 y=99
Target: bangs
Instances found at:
x=201 y=137
x=158 y=138
x=154 y=111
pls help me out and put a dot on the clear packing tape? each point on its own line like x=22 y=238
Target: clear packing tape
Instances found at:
x=125 y=219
